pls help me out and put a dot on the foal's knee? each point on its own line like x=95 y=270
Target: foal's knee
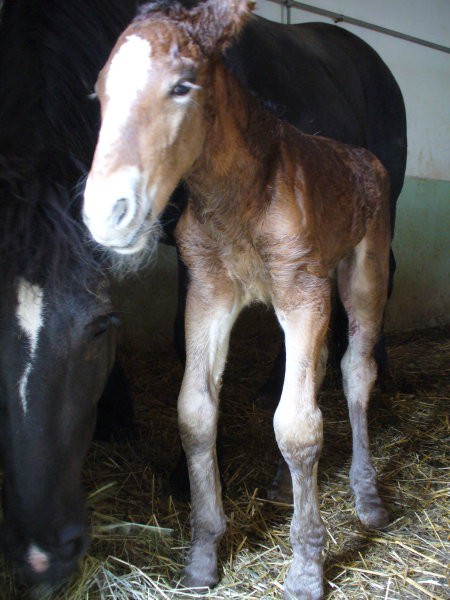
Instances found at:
x=197 y=419
x=299 y=437
x=359 y=374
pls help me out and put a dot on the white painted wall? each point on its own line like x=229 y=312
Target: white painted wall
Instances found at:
x=422 y=73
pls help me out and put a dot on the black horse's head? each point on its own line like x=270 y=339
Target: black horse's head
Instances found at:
x=56 y=351
x=57 y=346
x=57 y=337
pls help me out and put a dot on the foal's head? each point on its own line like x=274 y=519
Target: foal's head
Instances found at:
x=153 y=95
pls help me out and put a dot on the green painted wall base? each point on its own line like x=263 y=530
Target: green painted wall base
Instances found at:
x=421 y=296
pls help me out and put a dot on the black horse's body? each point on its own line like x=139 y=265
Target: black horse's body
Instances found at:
x=57 y=338
x=318 y=77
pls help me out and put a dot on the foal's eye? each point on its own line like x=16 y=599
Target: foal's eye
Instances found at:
x=181 y=89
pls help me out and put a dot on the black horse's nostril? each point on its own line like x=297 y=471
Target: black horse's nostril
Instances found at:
x=73 y=541
x=119 y=211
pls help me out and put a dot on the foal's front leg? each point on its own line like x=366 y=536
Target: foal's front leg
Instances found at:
x=281 y=487
x=298 y=429
x=208 y=325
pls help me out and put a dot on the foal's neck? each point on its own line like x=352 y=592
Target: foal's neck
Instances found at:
x=242 y=142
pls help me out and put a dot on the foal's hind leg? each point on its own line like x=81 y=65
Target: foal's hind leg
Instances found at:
x=298 y=430
x=210 y=314
x=362 y=279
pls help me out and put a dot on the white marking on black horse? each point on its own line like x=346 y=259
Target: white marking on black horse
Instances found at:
x=30 y=310
x=37 y=559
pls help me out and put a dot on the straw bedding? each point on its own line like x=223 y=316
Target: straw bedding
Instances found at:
x=141 y=533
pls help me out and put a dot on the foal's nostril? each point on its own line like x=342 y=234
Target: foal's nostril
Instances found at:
x=119 y=211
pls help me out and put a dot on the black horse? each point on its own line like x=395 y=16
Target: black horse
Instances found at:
x=57 y=329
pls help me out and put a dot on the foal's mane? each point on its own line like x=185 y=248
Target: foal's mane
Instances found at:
x=50 y=54
x=173 y=7
x=211 y=23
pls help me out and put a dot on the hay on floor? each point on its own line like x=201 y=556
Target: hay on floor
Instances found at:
x=141 y=534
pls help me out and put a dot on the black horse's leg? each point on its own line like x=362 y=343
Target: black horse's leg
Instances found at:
x=385 y=379
x=115 y=407
x=178 y=329
x=179 y=477
x=269 y=394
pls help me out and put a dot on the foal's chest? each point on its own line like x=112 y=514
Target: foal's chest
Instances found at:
x=228 y=253
x=245 y=266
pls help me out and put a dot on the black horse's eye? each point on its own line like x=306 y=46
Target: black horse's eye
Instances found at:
x=101 y=324
x=182 y=88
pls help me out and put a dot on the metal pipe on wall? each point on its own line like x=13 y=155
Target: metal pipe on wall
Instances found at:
x=288 y=11
x=340 y=18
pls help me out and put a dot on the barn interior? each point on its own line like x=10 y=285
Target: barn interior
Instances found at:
x=140 y=523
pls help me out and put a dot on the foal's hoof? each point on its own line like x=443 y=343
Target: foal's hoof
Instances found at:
x=202 y=582
x=200 y=570
x=373 y=515
x=300 y=595
x=303 y=588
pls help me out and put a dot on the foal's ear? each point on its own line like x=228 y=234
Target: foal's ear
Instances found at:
x=219 y=22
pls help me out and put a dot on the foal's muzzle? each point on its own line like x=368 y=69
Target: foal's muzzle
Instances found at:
x=113 y=209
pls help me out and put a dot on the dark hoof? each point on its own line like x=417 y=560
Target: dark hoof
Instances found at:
x=200 y=571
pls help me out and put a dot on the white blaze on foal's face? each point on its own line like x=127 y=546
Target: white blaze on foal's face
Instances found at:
x=29 y=314
x=114 y=184
x=125 y=80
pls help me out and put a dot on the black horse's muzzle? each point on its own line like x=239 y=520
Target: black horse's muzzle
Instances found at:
x=42 y=562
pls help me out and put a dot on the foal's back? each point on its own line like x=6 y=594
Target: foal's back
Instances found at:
x=266 y=196
x=328 y=191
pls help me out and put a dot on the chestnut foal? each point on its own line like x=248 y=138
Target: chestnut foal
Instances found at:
x=272 y=214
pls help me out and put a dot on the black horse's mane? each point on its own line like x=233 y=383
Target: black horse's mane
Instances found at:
x=50 y=54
